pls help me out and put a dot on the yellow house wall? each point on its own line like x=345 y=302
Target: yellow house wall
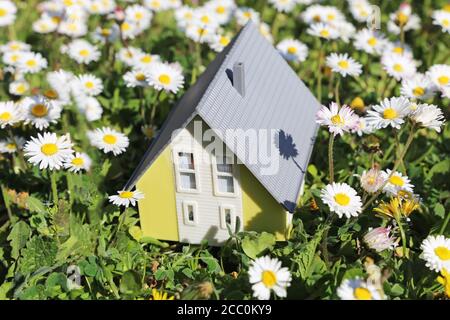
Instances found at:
x=261 y=212
x=157 y=210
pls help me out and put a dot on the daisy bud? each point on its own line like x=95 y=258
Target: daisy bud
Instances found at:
x=379 y=239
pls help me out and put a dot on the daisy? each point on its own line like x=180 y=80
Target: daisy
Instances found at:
x=144 y=61
x=283 y=5
x=369 y=41
x=222 y=9
x=138 y=15
x=48 y=150
x=337 y=120
x=264 y=29
x=157 y=5
x=436 y=252
x=342 y=199
x=265 y=275
x=129 y=30
x=403 y=19
x=396 y=182
x=40 y=112
x=418 y=87
x=205 y=18
x=109 y=140
x=58 y=81
x=361 y=126
x=73 y=28
x=88 y=84
x=293 y=50
x=389 y=112
x=44 y=25
x=398 y=66
x=126 y=197
x=7 y=13
x=82 y=51
x=429 y=116
x=32 y=62
x=135 y=78
x=78 y=162
x=399 y=49
x=380 y=239
x=15 y=45
x=202 y=34
x=361 y=10
x=322 y=30
x=10 y=114
x=184 y=16
x=245 y=14
x=106 y=34
x=357 y=289
x=127 y=55
x=219 y=42
x=11 y=145
x=442 y=18
x=165 y=77
x=343 y=64
x=90 y=107
x=345 y=30
x=440 y=75
x=313 y=14
x=372 y=180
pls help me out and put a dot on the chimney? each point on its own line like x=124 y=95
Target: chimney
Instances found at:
x=239 y=78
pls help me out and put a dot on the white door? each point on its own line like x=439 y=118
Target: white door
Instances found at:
x=208 y=193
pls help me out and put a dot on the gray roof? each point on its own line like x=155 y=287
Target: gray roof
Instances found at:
x=275 y=100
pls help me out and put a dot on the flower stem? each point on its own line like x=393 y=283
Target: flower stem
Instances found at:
x=336 y=91
x=444 y=225
x=153 y=113
x=7 y=201
x=69 y=180
x=330 y=157
x=319 y=74
x=403 y=236
x=54 y=187
x=396 y=164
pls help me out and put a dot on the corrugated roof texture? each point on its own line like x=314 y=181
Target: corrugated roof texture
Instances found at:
x=275 y=98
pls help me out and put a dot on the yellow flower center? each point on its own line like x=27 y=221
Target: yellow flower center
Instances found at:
x=84 y=52
x=77 y=161
x=446 y=8
x=3 y=12
x=396 y=181
x=204 y=19
x=220 y=9
x=317 y=18
x=15 y=57
x=140 y=77
x=31 y=63
x=139 y=15
x=343 y=64
x=324 y=33
x=269 y=279
x=164 y=79
x=372 y=41
x=446 y=23
x=146 y=59
x=331 y=17
x=109 y=139
x=49 y=149
x=224 y=41
x=398 y=50
x=443 y=253
x=389 y=113
x=402 y=18
x=5 y=116
x=39 y=110
x=342 y=199
x=89 y=84
x=247 y=14
x=362 y=294
x=125 y=26
x=292 y=50
x=371 y=180
x=155 y=4
x=105 y=32
x=418 y=91
x=11 y=146
x=21 y=88
x=56 y=19
x=443 y=80
x=398 y=67
x=14 y=46
x=126 y=194
x=337 y=120
x=68 y=3
x=357 y=103
x=51 y=94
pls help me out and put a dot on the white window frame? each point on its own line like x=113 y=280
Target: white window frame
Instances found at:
x=223 y=221
x=178 y=171
x=186 y=205
x=216 y=173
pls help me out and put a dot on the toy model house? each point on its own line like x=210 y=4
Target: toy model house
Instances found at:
x=236 y=146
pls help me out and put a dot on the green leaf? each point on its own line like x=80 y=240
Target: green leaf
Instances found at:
x=396 y=290
x=18 y=237
x=439 y=210
x=4 y=289
x=440 y=167
x=35 y=205
x=255 y=246
x=305 y=258
x=211 y=262
x=39 y=252
x=130 y=283
x=135 y=232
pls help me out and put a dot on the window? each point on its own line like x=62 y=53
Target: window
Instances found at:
x=186 y=171
x=224 y=181
x=190 y=216
x=227 y=216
